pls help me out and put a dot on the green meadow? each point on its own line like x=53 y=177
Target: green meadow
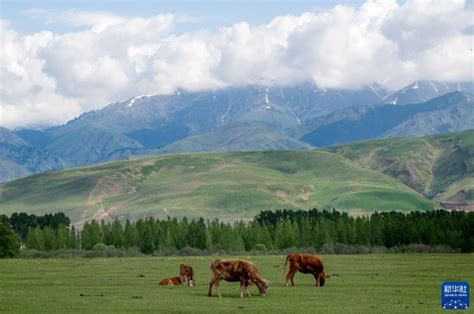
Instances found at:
x=358 y=284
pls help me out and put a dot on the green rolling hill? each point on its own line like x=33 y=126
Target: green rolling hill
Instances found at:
x=440 y=166
x=241 y=136
x=225 y=185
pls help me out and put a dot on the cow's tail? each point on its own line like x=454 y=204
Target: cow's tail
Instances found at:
x=284 y=267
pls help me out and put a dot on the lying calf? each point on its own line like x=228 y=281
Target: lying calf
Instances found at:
x=172 y=281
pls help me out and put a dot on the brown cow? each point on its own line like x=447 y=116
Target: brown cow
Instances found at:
x=306 y=264
x=186 y=272
x=237 y=270
x=173 y=281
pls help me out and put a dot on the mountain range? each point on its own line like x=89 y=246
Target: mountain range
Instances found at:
x=446 y=113
x=248 y=118
x=390 y=174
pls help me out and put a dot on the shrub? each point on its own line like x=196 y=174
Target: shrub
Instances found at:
x=260 y=248
x=190 y=251
x=100 y=247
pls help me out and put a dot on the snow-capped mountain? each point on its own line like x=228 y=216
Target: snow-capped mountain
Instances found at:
x=421 y=91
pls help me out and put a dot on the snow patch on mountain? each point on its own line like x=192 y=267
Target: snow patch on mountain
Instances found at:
x=227 y=112
x=434 y=87
x=134 y=99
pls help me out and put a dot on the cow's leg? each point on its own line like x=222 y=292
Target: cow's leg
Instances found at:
x=287 y=277
x=218 y=288
x=316 y=276
x=214 y=281
x=290 y=276
x=241 y=288
x=211 y=283
x=248 y=290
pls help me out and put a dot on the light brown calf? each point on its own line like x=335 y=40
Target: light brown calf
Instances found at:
x=172 y=281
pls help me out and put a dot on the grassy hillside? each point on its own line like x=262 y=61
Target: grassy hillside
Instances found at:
x=224 y=185
x=440 y=166
x=243 y=136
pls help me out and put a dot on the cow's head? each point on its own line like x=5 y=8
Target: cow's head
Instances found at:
x=322 y=278
x=191 y=282
x=263 y=287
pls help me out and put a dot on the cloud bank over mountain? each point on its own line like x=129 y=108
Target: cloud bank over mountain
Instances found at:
x=49 y=78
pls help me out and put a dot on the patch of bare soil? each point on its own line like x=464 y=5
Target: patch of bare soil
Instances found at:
x=414 y=178
x=359 y=213
x=306 y=193
x=108 y=186
x=458 y=207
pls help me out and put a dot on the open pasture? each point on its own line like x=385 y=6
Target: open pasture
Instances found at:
x=359 y=284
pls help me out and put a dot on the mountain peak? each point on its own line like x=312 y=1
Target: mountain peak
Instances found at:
x=134 y=99
x=8 y=137
x=423 y=90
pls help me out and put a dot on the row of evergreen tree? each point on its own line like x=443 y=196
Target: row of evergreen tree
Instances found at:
x=276 y=230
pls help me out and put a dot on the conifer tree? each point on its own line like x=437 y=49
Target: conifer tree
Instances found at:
x=130 y=234
x=72 y=240
x=117 y=234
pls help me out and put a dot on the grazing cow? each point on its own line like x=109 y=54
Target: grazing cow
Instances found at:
x=237 y=270
x=306 y=264
x=172 y=281
x=186 y=272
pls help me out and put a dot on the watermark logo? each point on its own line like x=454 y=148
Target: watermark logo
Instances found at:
x=455 y=295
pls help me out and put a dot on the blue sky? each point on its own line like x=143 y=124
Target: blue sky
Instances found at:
x=205 y=14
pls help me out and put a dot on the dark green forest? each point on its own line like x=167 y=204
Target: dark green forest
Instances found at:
x=270 y=231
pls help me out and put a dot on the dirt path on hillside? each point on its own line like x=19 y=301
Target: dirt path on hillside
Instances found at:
x=94 y=199
x=435 y=158
x=414 y=178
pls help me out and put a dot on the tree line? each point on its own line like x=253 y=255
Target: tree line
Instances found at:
x=269 y=230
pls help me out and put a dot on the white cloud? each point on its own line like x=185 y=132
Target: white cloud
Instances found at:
x=49 y=78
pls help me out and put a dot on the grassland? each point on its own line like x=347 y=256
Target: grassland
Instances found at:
x=392 y=283
x=224 y=185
